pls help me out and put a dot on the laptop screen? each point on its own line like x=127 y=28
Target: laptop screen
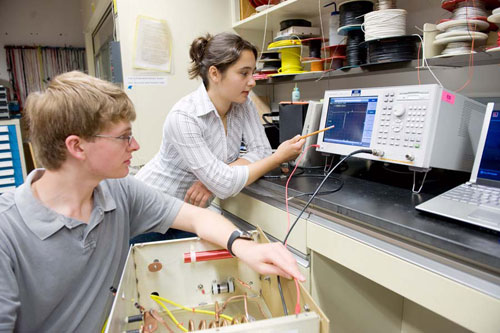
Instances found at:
x=489 y=168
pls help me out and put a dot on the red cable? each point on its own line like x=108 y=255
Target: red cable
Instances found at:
x=297 y=304
x=288 y=181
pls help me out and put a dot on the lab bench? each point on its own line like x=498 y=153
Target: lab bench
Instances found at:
x=376 y=263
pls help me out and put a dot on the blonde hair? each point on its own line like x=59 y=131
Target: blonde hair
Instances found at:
x=73 y=104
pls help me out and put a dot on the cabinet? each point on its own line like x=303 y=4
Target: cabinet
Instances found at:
x=12 y=165
x=368 y=281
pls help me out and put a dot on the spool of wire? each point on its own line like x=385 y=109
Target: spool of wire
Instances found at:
x=463 y=28
x=351 y=12
x=314 y=46
x=392 y=49
x=355 y=51
x=457 y=48
x=468 y=10
x=290 y=60
x=385 y=4
x=385 y=23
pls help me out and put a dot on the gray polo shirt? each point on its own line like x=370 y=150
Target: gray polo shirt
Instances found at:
x=56 y=272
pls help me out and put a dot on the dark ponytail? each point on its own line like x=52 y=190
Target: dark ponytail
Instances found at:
x=196 y=53
x=221 y=51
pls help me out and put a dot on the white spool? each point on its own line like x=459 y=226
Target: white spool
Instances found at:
x=385 y=23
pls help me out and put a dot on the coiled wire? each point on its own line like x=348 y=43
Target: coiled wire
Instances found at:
x=385 y=4
x=465 y=10
x=457 y=48
x=402 y=48
x=468 y=10
x=351 y=13
x=355 y=52
x=384 y=23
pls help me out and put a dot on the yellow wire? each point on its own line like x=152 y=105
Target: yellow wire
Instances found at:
x=287 y=42
x=208 y=312
x=169 y=313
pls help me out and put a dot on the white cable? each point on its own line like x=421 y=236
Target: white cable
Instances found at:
x=322 y=33
x=457 y=48
x=301 y=47
x=424 y=60
x=265 y=28
x=384 y=23
x=421 y=184
x=466 y=10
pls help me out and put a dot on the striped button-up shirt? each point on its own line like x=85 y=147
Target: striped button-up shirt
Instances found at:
x=195 y=147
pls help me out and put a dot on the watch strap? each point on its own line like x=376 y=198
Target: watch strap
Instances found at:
x=234 y=236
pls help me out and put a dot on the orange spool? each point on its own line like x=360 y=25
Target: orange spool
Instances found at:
x=317 y=66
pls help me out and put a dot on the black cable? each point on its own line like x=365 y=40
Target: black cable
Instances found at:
x=285 y=310
x=352 y=13
x=355 y=50
x=393 y=49
x=359 y=151
x=324 y=192
x=270 y=114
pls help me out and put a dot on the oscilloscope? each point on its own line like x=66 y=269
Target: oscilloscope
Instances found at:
x=422 y=126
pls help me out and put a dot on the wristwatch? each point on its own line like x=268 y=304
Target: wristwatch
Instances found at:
x=234 y=236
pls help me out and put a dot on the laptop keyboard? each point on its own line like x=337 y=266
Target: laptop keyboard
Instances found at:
x=479 y=195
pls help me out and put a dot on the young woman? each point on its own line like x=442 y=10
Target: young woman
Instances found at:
x=199 y=157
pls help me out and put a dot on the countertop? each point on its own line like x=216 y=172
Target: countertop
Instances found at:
x=380 y=197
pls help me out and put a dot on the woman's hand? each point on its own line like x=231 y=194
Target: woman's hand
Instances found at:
x=198 y=195
x=290 y=149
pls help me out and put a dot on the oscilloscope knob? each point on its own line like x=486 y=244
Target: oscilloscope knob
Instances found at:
x=399 y=110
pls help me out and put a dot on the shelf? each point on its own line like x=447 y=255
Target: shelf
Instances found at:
x=480 y=59
x=282 y=11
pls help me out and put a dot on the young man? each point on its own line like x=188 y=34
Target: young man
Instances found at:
x=64 y=233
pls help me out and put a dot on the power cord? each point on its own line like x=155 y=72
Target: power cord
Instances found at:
x=359 y=151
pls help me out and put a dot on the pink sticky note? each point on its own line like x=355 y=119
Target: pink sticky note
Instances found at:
x=448 y=97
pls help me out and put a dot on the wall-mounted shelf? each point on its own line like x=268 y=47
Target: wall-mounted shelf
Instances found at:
x=480 y=59
x=282 y=11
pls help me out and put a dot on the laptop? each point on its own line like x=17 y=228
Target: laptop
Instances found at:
x=477 y=201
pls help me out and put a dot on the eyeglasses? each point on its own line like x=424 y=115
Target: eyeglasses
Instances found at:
x=127 y=138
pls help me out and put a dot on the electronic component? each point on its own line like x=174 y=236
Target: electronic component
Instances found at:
x=223 y=288
x=170 y=299
x=422 y=126
x=155 y=266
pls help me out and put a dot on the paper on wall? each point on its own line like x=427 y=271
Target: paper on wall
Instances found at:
x=152 y=47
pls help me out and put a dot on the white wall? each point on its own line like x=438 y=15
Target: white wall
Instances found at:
x=186 y=20
x=35 y=22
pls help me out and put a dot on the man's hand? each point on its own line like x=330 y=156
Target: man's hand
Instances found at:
x=198 y=195
x=269 y=258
